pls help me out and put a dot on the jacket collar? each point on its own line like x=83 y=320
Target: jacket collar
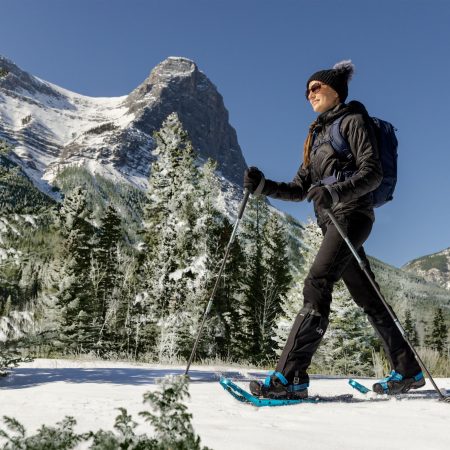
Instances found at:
x=353 y=107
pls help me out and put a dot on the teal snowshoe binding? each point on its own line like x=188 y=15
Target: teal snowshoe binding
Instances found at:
x=395 y=383
x=275 y=386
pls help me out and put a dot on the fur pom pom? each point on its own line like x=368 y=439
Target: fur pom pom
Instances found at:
x=345 y=66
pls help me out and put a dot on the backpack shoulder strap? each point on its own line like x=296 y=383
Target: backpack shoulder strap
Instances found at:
x=338 y=142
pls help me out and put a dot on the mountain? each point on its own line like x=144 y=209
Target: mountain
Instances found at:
x=51 y=128
x=407 y=290
x=435 y=268
x=60 y=140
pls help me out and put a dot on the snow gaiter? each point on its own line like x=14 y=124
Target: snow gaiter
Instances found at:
x=303 y=341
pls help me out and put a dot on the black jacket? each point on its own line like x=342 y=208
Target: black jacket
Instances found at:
x=352 y=194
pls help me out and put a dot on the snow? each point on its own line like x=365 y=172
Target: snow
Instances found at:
x=59 y=121
x=44 y=391
x=11 y=252
x=78 y=114
x=30 y=219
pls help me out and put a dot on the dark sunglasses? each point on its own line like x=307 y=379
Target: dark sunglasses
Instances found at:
x=315 y=88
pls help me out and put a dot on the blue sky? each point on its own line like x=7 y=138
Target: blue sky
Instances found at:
x=259 y=54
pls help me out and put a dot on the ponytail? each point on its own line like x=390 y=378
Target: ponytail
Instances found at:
x=308 y=145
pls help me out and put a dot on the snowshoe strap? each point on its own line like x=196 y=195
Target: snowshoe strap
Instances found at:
x=279 y=375
x=298 y=387
x=393 y=376
x=419 y=376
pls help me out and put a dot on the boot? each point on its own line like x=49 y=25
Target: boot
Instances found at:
x=395 y=383
x=275 y=386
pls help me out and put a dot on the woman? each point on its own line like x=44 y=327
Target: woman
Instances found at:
x=350 y=201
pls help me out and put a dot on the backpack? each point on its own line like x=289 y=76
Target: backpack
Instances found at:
x=387 y=148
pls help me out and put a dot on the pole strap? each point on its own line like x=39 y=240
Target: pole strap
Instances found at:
x=260 y=187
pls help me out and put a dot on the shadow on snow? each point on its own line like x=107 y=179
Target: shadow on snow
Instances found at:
x=25 y=377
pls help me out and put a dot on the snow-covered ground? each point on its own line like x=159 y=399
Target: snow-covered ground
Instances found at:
x=45 y=391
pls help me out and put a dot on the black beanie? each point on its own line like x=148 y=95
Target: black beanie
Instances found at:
x=337 y=78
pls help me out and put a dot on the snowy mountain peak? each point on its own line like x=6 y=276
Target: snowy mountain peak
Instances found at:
x=181 y=75
x=51 y=128
x=172 y=67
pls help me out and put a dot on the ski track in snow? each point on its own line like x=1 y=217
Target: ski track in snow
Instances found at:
x=44 y=391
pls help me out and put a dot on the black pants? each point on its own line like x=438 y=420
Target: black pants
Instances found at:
x=334 y=261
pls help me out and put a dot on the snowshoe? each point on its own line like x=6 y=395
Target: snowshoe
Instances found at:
x=395 y=383
x=275 y=386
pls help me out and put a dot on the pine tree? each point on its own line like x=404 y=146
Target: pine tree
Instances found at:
x=267 y=278
x=254 y=295
x=229 y=303
x=123 y=307
x=277 y=279
x=105 y=252
x=221 y=334
x=81 y=321
x=4 y=148
x=171 y=182
x=170 y=216
x=410 y=329
x=348 y=343
x=437 y=338
x=105 y=268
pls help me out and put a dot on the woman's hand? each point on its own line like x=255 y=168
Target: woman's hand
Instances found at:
x=252 y=178
x=321 y=197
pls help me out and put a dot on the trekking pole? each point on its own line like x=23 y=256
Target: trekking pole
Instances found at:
x=227 y=251
x=394 y=318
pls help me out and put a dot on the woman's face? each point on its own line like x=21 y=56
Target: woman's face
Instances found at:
x=321 y=96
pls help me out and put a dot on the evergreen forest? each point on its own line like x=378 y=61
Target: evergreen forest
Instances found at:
x=117 y=273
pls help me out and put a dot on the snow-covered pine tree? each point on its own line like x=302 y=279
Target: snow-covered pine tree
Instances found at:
x=213 y=231
x=277 y=279
x=81 y=321
x=438 y=335
x=348 y=343
x=252 y=234
x=151 y=305
x=122 y=304
x=4 y=148
x=171 y=185
x=229 y=305
x=410 y=329
x=104 y=266
x=170 y=217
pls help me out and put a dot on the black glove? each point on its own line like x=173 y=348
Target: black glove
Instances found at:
x=321 y=196
x=252 y=178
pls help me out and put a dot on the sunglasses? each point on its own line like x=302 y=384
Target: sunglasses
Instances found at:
x=315 y=88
